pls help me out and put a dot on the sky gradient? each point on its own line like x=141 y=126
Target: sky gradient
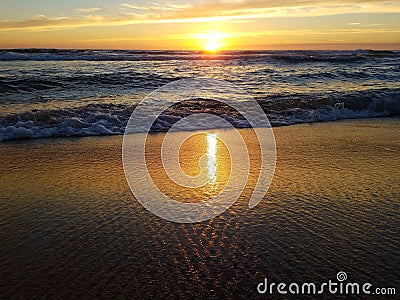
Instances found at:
x=180 y=24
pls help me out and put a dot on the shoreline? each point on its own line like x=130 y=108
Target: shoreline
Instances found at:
x=71 y=226
x=390 y=117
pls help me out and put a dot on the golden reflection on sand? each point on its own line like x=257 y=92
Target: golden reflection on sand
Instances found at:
x=204 y=157
x=202 y=153
x=212 y=156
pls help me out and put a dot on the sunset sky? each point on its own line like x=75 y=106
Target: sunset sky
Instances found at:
x=180 y=24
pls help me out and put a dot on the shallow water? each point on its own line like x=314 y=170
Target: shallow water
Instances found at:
x=70 y=226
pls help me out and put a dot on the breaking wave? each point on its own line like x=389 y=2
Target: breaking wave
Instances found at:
x=111 y=119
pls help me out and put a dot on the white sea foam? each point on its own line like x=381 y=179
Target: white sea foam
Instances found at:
x=111 y=119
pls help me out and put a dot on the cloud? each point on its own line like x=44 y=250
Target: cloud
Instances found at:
x=260 y=33
x=89 y=10
x=240 y=7
x=214 y=11
x=155 y=7
x=133 y=6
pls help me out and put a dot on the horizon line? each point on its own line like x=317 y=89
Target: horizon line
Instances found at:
x=391 y=47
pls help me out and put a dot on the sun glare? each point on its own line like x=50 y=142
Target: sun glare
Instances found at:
x=211 y=154
x=213 y=41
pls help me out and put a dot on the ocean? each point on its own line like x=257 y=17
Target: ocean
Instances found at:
x=64 y=93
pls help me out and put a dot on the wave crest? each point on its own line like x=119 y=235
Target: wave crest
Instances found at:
x=111 y=119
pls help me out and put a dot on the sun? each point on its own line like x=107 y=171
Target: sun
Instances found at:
x=213 y=41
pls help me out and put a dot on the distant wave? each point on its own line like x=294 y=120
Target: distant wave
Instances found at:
x=113 y=55
x=323 y=58
x=30 y=83
x=139 y=55
x=333 y=56
x=111 y=119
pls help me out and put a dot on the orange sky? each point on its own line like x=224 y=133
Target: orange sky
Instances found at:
x=235 y=24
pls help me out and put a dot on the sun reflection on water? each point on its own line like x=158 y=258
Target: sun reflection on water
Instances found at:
x=203 y=158
x=212 y=155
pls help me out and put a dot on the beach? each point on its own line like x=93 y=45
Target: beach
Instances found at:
x=206 y=149
x=71 y=228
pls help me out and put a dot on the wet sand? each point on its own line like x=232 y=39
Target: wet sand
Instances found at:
x=70 y=226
